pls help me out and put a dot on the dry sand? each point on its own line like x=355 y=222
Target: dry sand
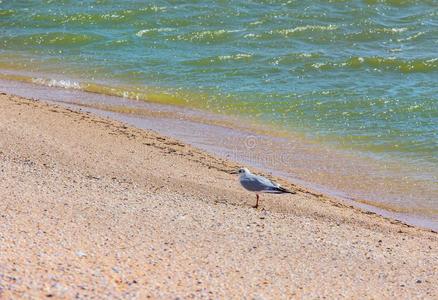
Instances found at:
x=93 y=208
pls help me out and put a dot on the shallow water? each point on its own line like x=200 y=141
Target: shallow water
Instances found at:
x=354 y=76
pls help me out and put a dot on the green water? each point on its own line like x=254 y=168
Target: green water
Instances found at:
x=360 y=75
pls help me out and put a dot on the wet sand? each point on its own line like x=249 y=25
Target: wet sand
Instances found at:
x=94 y=208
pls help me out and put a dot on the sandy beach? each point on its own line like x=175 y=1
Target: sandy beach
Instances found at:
x=92 y=208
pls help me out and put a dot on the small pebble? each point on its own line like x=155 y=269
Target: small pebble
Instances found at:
x=81 y=254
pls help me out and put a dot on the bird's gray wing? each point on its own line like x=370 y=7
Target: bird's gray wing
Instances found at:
x=256 y=183
x=268 y=184
x=251 y=184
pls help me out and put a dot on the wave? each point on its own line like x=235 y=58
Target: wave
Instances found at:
x=149 y=94
x=207 y=36
x=293 y=58
x=396 y=3
x=289 y=32
x=67 y=84
x=7 y=12
x=379 y=64
x=218 y=60
x=312 y=28
x=153 y=31
x=109 y=17
x=49 y=39
x=371 y=34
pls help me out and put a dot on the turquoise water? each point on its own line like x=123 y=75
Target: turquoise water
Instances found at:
x=360 y=75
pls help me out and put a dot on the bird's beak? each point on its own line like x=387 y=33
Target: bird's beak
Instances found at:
x=234 y=172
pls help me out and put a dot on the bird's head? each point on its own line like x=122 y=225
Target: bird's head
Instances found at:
x=241 y=171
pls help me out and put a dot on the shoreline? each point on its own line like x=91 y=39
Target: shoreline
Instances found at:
x=93 y=207
x=328 y=171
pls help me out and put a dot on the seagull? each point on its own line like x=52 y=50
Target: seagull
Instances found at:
x=259 y=184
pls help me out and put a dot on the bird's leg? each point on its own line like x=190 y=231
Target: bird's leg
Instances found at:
x=257 y=202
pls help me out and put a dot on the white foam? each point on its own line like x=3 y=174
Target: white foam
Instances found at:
x=146 y=31
x=67 y=84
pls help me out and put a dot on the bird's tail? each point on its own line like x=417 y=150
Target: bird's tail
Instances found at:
x=281 y=189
